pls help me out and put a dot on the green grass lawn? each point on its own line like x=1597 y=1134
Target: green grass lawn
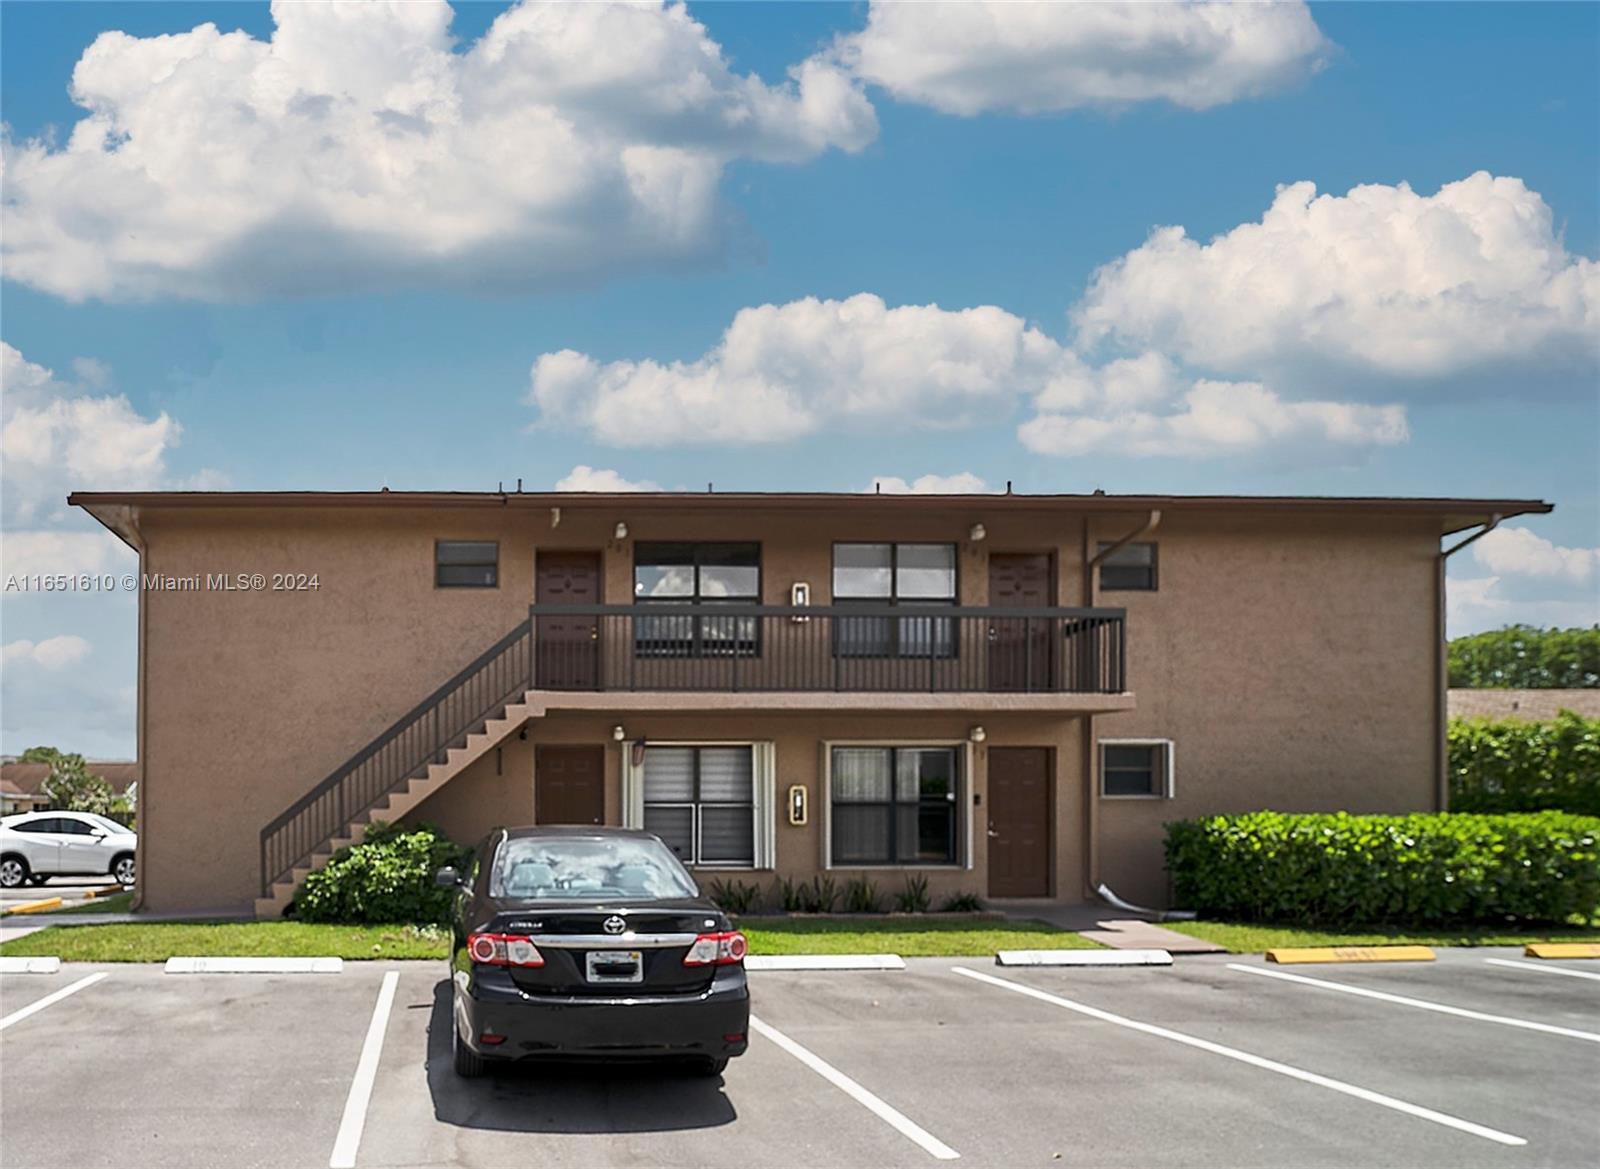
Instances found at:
x=158 y=941
x=927 y=939
x=1249 y=939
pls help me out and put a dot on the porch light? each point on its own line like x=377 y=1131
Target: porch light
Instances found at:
x=621 y=530
x=977 y=532
x=618 y=734
x=977 y=734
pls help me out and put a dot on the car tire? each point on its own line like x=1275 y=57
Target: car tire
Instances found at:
x=469 y=1064
x=123 y=869
x=710 y=1067
x=37 y=878
x=13 y=872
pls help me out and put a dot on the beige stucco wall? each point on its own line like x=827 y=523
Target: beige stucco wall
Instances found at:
x=1289 y=659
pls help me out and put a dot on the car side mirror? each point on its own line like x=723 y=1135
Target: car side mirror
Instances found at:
x=448 y=877
x=97 y=832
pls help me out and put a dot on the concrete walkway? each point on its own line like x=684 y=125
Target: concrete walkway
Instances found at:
x=1097 y=923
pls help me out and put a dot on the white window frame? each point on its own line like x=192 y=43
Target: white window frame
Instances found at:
x=1169 y=771
x=964 y=781
x=763 y=796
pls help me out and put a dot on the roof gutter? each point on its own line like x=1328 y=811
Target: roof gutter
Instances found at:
x=1441 y=668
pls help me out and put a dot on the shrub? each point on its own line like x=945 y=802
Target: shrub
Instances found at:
x=961 y=903
x=861 y=896
x=1339 y=869
x=785 y=894
x=1513 y=766
x=735 y=896
x=914 y=897
x=820 y=895
x=388 y=877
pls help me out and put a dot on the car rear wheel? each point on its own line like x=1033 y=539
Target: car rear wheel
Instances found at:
x=469 y=1064
x=13 y=871
x=123 y=869
x=710 y=1067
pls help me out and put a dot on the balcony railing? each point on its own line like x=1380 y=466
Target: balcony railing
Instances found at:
x=875 y=648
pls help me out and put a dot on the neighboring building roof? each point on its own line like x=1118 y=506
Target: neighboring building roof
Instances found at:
x=1537 y=706
x=28 y=778
x=112 y=508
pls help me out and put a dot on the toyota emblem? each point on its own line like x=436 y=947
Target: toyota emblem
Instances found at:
x=613 y=924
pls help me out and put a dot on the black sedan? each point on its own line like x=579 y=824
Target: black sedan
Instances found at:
x=591 y=943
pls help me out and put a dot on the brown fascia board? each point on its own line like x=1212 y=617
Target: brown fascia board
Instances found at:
x=1454 y=514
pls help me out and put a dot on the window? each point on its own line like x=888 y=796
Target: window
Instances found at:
x=908 y=576
x=701 y=801
x=1131 y=767
x=466 y=564
x=706 y=575
x=72 y=826
x=1131 y=568
x=893 y=805
x=49 y=825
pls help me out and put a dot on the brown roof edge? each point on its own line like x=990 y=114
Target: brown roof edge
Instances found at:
x=1466 y=511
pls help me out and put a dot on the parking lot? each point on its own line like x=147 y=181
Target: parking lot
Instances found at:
x=1213 y=1061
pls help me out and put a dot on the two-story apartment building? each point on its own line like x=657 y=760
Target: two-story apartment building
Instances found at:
x=1008 y=694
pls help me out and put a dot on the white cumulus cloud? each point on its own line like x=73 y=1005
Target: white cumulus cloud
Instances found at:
x=586 y=478
x=51 y=654
x=358 y=149
x=1381 y=278
x=58 y=436
x=786 y=371
x=1519 y=552
x=961 y=483
x=46 y=553
x=973 y=58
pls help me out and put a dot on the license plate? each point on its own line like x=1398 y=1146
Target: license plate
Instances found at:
x=614 y=966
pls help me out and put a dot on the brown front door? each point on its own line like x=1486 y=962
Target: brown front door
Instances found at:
x=569 y=785
x=568 y=646
x=1019 y=822
x=1020 y=648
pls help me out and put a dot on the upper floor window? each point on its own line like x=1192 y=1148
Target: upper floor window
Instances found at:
x=466 y=564
x=705 y=574
x=1136 y=767
x=903 y=575
x=1131 y=567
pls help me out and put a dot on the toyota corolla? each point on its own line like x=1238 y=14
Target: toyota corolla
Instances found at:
x=595 y=944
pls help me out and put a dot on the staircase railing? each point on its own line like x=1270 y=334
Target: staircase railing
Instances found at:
x=417 y=738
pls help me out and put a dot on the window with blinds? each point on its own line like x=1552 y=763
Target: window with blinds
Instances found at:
x=701 y=802
x=893 y=805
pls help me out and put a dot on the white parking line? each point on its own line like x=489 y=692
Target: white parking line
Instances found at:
x=355 y=1105
x=1542 y=968
x=55 y=997
x=1271 y=1065
x=1421 y=1004
x=902 y=1124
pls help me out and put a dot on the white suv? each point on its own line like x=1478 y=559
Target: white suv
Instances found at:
x=39 y=845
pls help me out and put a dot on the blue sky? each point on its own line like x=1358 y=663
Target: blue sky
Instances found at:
x=1002 y=190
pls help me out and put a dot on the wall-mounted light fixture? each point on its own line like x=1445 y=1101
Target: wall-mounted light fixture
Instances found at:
x=977 y=532
x=618 y=734
x=621 y=530
x=977 y=734
x=797 y=804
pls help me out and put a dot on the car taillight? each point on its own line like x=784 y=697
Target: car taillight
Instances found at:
x=717 y=949
x=503 y=950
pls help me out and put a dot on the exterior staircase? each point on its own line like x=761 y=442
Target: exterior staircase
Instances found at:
x=410 y=760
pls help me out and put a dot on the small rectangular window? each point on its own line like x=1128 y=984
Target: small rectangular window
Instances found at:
x=1131 y=568
x=1136 y=768
x=466 y=564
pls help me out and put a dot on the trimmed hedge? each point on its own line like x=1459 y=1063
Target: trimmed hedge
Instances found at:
x=1513 y=766
x=387 y=878
x=1339 y=869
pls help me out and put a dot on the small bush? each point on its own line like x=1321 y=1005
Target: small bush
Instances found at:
x=388 y=877
x=785 y=895
x=735 y=896
x=820 y=895
x=914 y=897
x=1513 y=766
x=962 y=903
x=861 y=896
x=1339 y=869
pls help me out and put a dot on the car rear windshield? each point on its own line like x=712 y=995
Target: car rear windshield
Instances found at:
x=537 y=868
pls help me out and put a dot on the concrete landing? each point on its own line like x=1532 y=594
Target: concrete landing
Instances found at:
x=1132 y=934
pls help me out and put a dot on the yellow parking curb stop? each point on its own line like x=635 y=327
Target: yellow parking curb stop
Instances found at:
x=34 y=906
x=1301 y=954
x=1563 y=950
x=106 y=891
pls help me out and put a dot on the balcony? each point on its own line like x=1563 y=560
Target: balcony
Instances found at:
x=857 y=649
